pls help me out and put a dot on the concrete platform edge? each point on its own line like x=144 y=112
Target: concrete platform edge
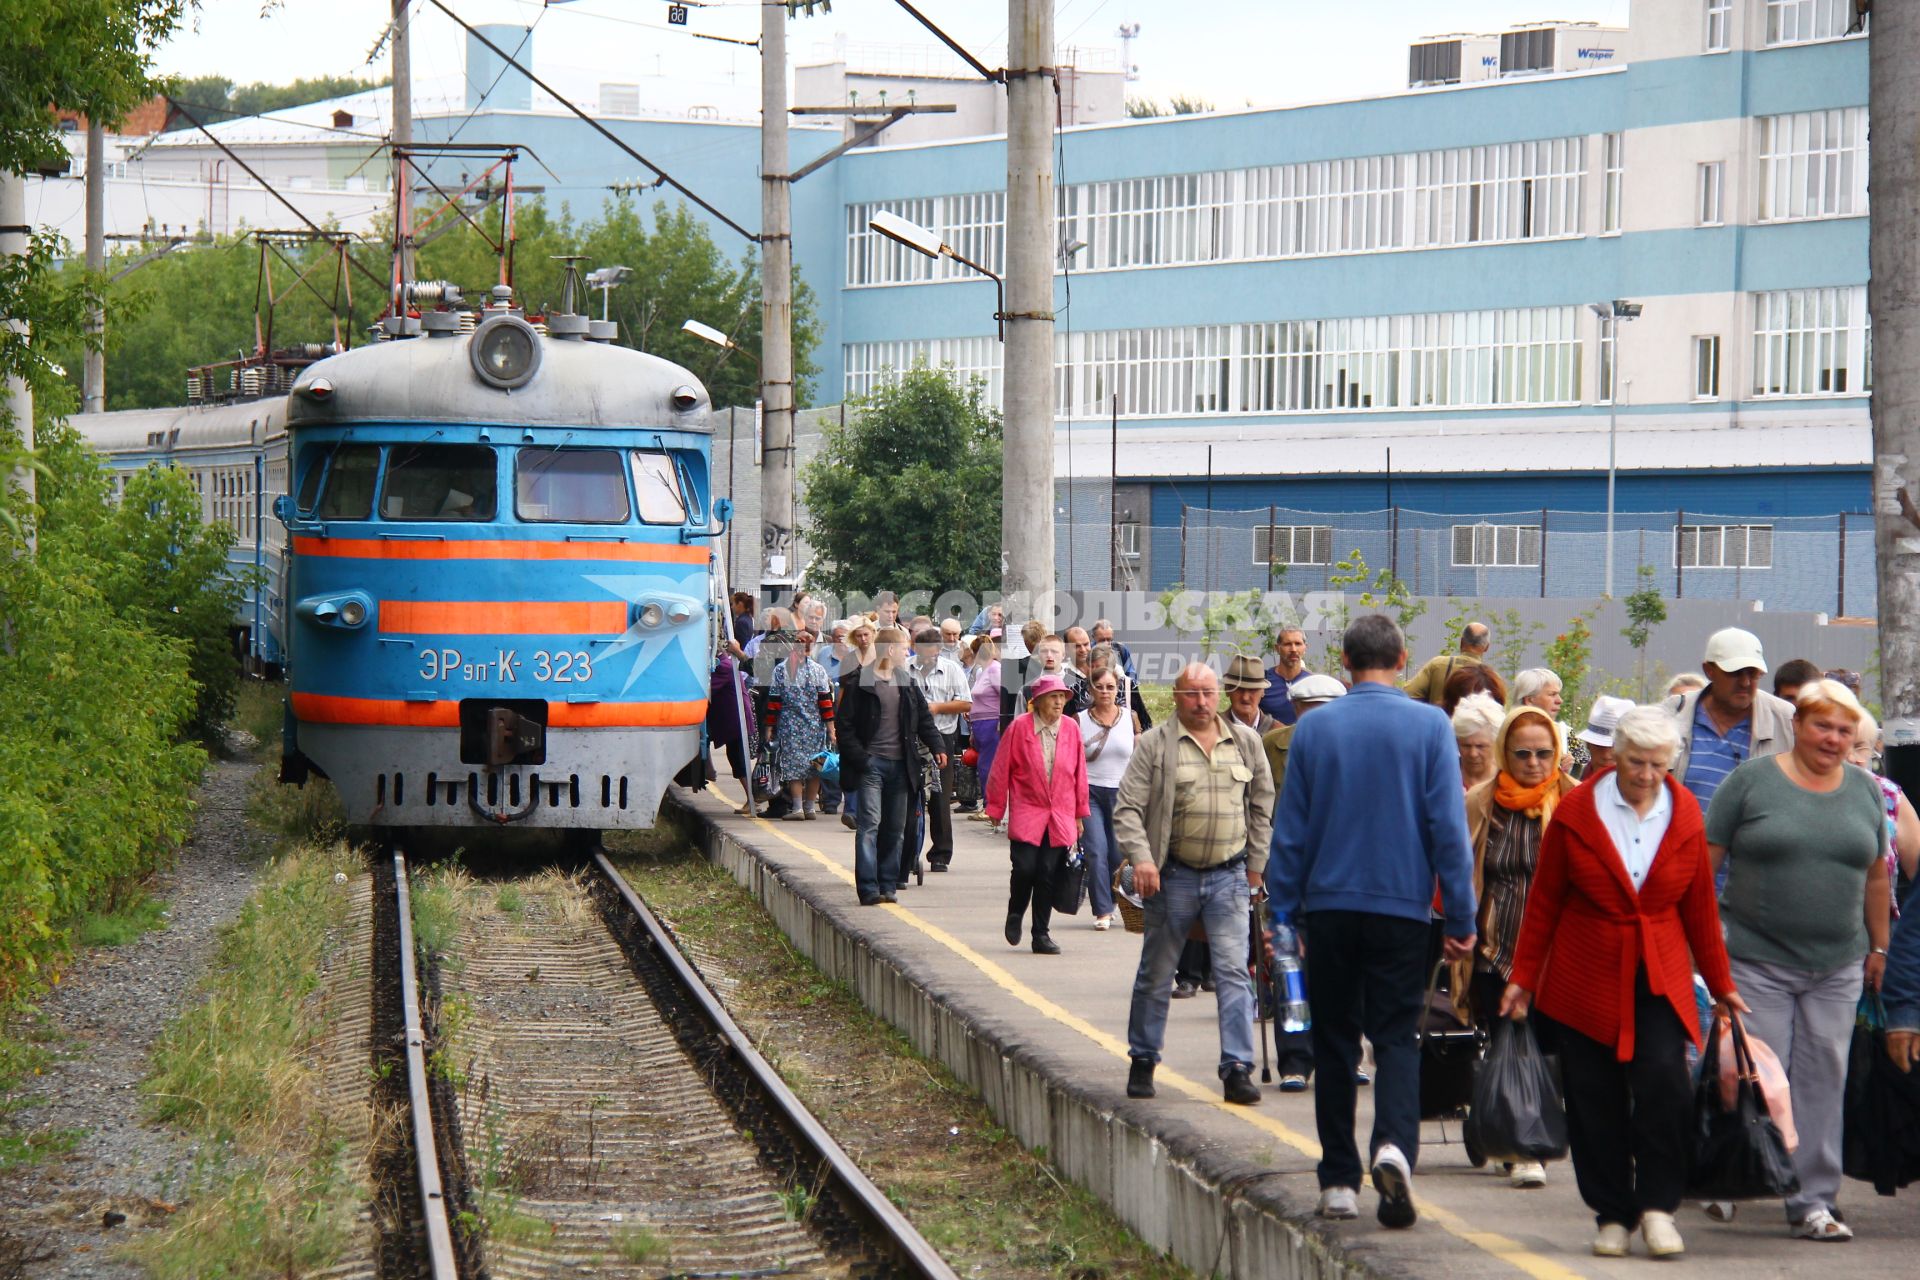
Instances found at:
x=1217 y=1215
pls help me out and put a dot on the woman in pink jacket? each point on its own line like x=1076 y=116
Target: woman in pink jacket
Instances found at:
x=1038 y=786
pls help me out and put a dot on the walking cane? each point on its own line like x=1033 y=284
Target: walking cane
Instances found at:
x=1263 y=980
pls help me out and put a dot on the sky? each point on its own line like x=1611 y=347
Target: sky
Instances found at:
x=1229 y=53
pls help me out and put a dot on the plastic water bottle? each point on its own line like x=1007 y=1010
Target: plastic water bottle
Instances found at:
x=1294 y=1014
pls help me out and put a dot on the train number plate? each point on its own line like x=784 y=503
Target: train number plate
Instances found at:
x=508 y=666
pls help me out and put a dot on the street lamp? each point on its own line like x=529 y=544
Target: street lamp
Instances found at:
x=920 y=240
x=605 y=280
x=707 y=333
x=1611 y=314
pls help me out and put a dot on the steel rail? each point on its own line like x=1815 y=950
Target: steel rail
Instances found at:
x=433 y=1199
x=910 y=1248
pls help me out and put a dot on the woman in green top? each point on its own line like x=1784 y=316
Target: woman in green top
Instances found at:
x=1801 y=909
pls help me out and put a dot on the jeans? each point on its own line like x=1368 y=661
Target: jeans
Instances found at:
x=1103 y=851
x=1807 y=1020
x=1219 y=898
x=882 y=829
x=1364 y=973
x=986 y=740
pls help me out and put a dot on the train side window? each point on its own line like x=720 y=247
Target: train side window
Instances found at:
x=657 y=482
x=440 y=482
x=580 y=486
x=348 y=490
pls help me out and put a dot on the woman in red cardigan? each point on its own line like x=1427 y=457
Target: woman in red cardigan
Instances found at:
x=1622 y=896
x=1039 y=787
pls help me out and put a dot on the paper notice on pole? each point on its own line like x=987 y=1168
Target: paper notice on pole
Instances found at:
x=777 y=565
x=759 y=431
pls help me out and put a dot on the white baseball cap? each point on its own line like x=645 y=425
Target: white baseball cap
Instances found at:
x=1602 y=718
x=1732 y=649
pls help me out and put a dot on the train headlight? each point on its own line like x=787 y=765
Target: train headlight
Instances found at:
x=505 y=352
x=651 y=615
x=349 y=609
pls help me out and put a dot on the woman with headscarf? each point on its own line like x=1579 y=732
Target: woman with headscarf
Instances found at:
x=804 y=730
x=1039 y=787
x=1506 y=817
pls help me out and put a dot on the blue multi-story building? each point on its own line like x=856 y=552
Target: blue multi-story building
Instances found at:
x=1388 y=323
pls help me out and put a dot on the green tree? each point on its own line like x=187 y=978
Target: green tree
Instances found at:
x=1645 y=611
x=1569 y=655
x=80 y=55
x=1178 y=105
x=1227 y=621
x=906 y=494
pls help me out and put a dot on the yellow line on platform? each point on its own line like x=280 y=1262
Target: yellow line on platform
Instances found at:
x=1509 y=1251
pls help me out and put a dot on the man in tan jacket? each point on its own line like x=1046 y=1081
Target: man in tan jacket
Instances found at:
x=1194 y=817
x=1429 y=684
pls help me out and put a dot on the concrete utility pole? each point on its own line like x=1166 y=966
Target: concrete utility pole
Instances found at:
x=1026 y=490
x=1893 y=300
x=777 y=567
x=402 y=137
x=93 y=381
x=13 y=244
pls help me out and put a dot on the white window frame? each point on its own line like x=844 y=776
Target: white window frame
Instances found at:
x=1613 y=159
x=1721 y=537
x=1318 y=542
x=1129 y=535
x=1808 y=21
x=1718 y=36
x=1707 y=367
x=1808 y=342
x=1606 y=370
x=1710 y=193
x=1521 y=549
x=1813 y=165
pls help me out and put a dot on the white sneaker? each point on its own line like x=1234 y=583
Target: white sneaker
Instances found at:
x=1529 y=1174
x=1103 y=922
x=1822 y=1225
x=1393 y=1179
x=1339 y=1202
x=1663 y=1238
x=1612 y=1240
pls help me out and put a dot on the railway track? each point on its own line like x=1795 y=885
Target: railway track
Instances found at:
x=607 y=1116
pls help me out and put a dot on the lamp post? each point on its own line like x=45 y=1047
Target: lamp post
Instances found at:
x=920 y=240
x=1611 y=314
x=606 y=280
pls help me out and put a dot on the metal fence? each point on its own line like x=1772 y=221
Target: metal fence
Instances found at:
x=1814 y=564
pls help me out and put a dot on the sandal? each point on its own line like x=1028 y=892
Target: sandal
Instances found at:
x=1821 y=1225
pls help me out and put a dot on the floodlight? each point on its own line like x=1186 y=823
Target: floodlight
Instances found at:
x=707 y=333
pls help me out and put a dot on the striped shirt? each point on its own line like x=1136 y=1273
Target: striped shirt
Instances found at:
x=1210 y=800
x=1513 y=851
x=1713 y=756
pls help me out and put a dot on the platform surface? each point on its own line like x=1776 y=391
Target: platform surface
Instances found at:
x=1471 y=1222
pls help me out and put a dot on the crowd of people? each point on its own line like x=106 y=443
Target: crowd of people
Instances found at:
x=1725 y=852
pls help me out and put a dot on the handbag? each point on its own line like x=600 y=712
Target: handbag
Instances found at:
x=1070 y=883
x=1882 y=1108
x=1738 y=1153
x=1774 y=1091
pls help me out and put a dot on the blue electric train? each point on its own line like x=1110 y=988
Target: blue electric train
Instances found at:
x=493 y=574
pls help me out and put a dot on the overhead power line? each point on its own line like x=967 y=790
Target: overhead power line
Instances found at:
x=599 y=128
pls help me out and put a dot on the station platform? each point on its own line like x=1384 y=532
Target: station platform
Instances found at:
x=1228 y=1190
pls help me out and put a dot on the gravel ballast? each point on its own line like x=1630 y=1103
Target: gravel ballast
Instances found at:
x=101 y=1023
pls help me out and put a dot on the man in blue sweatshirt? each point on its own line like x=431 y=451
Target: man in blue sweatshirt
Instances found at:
x=1371 y=815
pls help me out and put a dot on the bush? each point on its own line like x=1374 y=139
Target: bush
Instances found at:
x=112 y=652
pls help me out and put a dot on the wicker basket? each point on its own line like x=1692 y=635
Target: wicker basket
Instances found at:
x=1134 y=918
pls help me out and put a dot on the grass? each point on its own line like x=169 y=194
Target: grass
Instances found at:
x=118 y=926
x=18 y=1150
x=259 y=710
x=640 y=1246
x=1159 y=701
x=276 y=1195
x=988 y=1205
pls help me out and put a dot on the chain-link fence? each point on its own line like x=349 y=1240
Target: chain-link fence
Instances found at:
x=1814 y=564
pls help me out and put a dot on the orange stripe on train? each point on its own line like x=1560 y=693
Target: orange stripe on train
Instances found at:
x=503 y=618
x=322 y=708
x=498 y=549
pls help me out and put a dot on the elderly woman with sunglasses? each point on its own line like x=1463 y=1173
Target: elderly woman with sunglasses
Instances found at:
x=1506 y=817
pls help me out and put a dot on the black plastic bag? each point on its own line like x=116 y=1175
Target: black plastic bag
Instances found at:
x=1517 y=1115
x=1882 y=1143
x=1738 y=1153
x=1070 y=883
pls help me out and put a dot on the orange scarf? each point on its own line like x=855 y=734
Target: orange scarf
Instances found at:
x=1535 y=802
